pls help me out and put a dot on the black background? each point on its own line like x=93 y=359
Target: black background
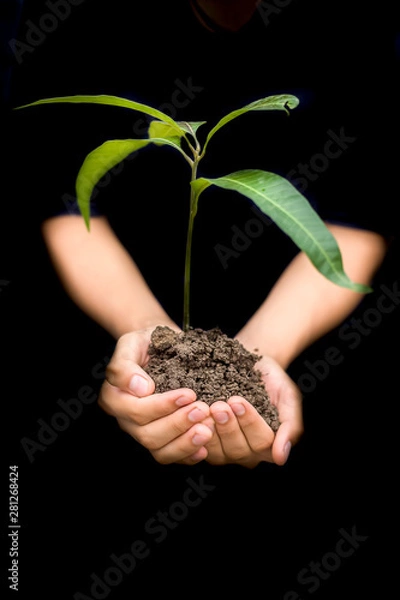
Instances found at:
x=91 y=491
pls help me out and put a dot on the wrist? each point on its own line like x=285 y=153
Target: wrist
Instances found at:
x=264 y=344
x=140 y=323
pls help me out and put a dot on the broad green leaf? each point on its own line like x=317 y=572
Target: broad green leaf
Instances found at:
x=293 y=214
x=191 y=126
x=279 y=102
x=107 y=100
x=98 y=162
x=166 y=131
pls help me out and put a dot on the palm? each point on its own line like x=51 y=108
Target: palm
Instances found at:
x=283 y=393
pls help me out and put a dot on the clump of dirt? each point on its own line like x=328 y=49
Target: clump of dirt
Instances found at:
x=212 y=364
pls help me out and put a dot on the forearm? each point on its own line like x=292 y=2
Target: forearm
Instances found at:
x=303 y=305
x=100 y=276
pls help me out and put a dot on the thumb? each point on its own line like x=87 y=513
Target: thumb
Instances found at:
x=125 y=371
x=282 y=444
x=140 y=383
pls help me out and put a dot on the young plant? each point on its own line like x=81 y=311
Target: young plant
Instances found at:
x=271 y=193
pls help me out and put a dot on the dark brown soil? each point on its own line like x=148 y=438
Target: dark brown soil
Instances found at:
x=212 y=364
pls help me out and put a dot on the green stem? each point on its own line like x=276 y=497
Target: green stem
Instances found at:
x=192 y=214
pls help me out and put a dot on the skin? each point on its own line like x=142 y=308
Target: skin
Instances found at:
x=104 y=281
x=177 y=428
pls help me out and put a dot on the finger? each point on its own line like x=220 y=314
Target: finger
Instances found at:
x=202 y=453
x=124 y=369
x=185 y=446
x=157 y=434
x=233 y=441
x=130 y=377
x=282 y=445
x=291 y=428
x=195 y=458
x=258 y=433
x=215 y=452
x=287 y=435
x=124 y=405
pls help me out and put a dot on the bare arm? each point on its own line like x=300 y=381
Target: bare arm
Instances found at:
x=102 y=279
x=303 y=305
x=100 y=276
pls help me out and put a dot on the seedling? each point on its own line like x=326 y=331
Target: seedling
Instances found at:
x=271 y=193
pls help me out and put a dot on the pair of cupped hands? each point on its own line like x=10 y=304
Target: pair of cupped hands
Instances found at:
x=175 y=427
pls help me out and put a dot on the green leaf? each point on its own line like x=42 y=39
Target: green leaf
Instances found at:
x=292 y=212
x=280 y=102
x=98 y=162
x=191 y=126
x=166 y=131
x=106 y=100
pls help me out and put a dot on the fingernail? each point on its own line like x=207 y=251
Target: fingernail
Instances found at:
x=286 y=450
x=183 y=401
x=221 y=417
x=196 y=415
x=238 y=409
x=139 y=385
x=199 y=439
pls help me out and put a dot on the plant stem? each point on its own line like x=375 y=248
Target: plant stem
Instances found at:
x=192 y=214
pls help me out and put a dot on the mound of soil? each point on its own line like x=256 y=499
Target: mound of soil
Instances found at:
x=212 y=364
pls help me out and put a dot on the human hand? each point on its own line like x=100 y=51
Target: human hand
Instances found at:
x=173 y=426
x=243 y=437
